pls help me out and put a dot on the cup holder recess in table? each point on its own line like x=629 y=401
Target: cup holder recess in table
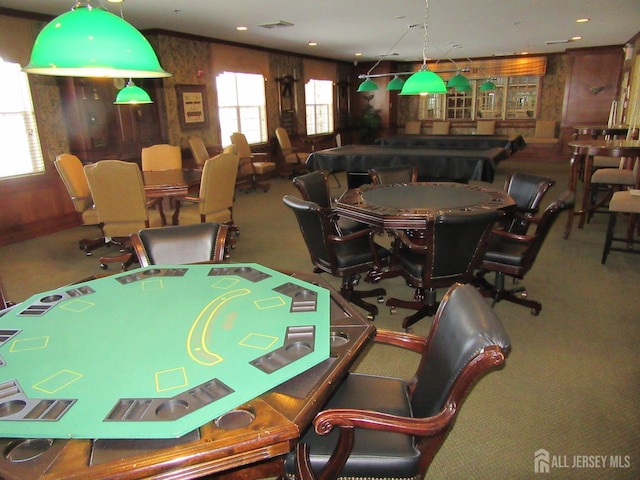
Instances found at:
x=27 y=449
x=237 y=418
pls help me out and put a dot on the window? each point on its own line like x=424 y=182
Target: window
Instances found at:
x=490 y=103
x=430 y=107
x=20 y=152
x=319 y=98
x=242 y=106
x=522 y=96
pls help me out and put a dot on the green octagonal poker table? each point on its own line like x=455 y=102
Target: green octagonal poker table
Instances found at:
x=155 y=352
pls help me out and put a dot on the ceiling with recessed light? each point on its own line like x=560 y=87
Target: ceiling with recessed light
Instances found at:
x=342 y=28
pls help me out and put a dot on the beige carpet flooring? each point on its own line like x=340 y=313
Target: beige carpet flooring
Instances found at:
x=571 y=385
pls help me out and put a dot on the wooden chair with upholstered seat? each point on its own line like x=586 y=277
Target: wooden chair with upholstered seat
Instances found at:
x=626 y=202
x=441 y=128
x=343 y=256
x=72 y=174
x=250 y=169
x=413 y=127
x=161 y=157
x=293 y=160
x=486 y=127
x=375 y=426
x=180 y=244
x=199 y=150
x=449 y=251
x=215 y=200
x=118 y=192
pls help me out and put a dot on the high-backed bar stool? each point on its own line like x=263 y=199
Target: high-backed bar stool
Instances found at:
x=622 y=202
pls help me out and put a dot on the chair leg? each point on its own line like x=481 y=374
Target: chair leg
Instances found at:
x=89 y=245
x=357 y=296
x=499 y=292
x=609 y=237
x=424 y=301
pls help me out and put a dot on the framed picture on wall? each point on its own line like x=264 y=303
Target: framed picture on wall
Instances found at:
x=192 y=106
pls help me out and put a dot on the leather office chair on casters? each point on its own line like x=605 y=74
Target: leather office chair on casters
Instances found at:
x=72 y=174
x=199 y=150
x=513 y=254
x=314 y=187
x=180 y=244
x=250 y=168
x=396 y=174
x=343 y=256
x=527 y=191
x=294 y=161
x=118 y=192
x=381 y=427
x=451 y=249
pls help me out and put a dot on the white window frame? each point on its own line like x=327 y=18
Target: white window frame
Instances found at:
x=319 y=100
x=242 y=106
x=20 y=150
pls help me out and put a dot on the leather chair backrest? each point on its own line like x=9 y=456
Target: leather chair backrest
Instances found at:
x=284 y=141
x=198 y=150
x=182 y=244
x=118 y=192
x=396 y=174
x=459 y=244
x=243 y=150
x=161 y=157
x=548 y=218
x=527 y=191
x=464 y=326
x=314 y=230
x=313 y=187
x=217 y=185
x=72 y=174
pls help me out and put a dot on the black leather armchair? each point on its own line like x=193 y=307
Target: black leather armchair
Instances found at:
x=513 y=255
x=381 y=427
x=450 y=250
x=395 y=174
x=180 y=244
x=527 y=191
x=343 y=256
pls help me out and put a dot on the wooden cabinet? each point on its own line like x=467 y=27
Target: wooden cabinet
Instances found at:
x=98 y=129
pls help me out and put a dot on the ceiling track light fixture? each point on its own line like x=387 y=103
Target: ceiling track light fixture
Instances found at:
x=89 y=41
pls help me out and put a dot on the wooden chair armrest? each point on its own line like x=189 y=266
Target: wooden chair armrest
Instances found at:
x=259 y=154
x=154 y=202
x=512 y=236
x=191 y=199
x=408 y=341
x=303 y=463
x=404 y=238
x=84 y=197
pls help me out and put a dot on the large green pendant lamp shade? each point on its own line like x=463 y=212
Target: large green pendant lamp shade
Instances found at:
x=423 y=82
x=89 y=41
x=368 y=85
x=131 y=94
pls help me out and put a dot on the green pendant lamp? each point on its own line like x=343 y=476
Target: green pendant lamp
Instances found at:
x=368 y=85
x=457 y=81
x=423 y=82
x=488 y=86
x=463 y=88
x=89 y=41
x=396 y=84
x=131 y=94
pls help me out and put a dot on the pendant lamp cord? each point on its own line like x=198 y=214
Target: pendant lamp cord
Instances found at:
x=426 y=38
x=390 y=50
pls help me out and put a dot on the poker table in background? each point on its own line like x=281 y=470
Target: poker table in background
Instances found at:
x=250 y=436
x=512 y=143
x=434 y=164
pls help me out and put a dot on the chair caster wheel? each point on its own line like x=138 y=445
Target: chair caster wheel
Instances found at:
x=370 y=317
x=104 y=266
x=356 y=280
x=535 y=312
x=380 y=299
x=393 y=311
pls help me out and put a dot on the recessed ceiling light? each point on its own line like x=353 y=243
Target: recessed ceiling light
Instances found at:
x=241 y=28
x=358 y=54
x=582 y=20
x=573 y=39
x=313 y=44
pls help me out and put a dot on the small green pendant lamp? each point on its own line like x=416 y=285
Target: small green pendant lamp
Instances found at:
x=131 y=94
x=458 y=81
x=488 y=86
x=89 y=41
x=463 y=88
x=396 y=84
x=368 y=85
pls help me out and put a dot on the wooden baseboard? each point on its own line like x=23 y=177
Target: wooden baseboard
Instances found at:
x=20 y=233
